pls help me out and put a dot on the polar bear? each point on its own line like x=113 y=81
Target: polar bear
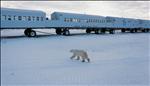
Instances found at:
x=79 y=54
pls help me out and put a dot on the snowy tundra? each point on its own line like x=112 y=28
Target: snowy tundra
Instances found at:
x=121 y=59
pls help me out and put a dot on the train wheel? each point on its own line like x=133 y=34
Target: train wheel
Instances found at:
x=97 y=31
x=123 y=30
x=58 y=31
x=32 y=33
x=147 y=30
x=112 y=31
x=103 y=31
x=132 y=31
x=88 y=31
x=27 y=31
x=66 y=32
x=143 y=30
x=135 y=30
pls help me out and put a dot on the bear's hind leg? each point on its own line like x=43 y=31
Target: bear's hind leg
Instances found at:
x=88 y=59
x=83 y=60
x=72 y=57
x=78 y=58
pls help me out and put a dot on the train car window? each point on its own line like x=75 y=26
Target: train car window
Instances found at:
x=3 y=17
x=78 y=20
x=24 y=18
x=14 y=18
x=19 y=17
x=37 y=18
x=94 y=20
x=60 y=14
x=108 y=20
x=29 y=18
x=42 y=18
x=9 y=17
x=65 y=19
x=70 y=19
x=52 y=17
x=91 y=20
x=99 y=21
x=129 y=21
x=33 y=18
x=73 y=20
x=85 y=20
x=102 y=21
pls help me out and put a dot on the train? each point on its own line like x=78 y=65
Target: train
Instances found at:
x=62 y=22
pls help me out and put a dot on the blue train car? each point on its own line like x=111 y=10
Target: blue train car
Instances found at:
x=63 y=22
x=22 y=19
x=99 y=24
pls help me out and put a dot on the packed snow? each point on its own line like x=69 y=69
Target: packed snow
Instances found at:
x=120 y=59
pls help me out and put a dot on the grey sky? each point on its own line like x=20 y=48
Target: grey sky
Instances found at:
x=130 y=9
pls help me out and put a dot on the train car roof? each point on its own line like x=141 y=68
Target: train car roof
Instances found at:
x=66 y=13
x=127 y=18
x=15 y=11
x=84 y=15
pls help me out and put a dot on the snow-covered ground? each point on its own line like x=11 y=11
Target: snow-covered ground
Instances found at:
x=116 y=60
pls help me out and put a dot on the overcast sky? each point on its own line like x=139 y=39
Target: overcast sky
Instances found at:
x=130 y=9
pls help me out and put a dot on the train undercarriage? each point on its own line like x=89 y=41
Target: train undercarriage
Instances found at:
x=135 y=30
x=29 y=32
